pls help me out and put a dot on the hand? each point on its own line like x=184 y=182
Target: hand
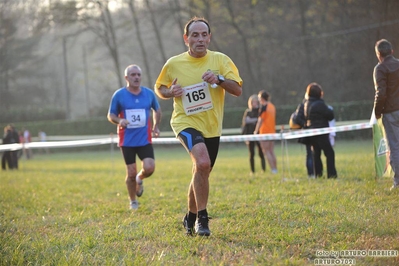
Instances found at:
x=209 y=77
x=378 y=116
x=175 y=89
x=156 y=132
x=123 y=123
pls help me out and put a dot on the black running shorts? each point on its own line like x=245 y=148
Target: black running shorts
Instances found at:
x=190 y=136
x=129 y=153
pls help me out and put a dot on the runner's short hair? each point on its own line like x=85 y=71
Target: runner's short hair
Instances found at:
x=193 y=20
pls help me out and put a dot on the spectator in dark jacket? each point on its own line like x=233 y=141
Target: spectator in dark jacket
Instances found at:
x=6 y=157
x=318 y=115
x=10 y=158
x=386 y=103
x=301 y=121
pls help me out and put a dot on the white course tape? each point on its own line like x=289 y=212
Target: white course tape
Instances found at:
x=292 y=134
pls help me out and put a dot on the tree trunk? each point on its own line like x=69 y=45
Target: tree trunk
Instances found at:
x=136 y=22
x=111 y=40
x=156 y=30
x=247 y=53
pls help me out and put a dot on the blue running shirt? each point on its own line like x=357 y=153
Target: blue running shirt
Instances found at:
x=137 y=110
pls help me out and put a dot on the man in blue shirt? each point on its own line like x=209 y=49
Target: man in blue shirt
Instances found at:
x=130 y=109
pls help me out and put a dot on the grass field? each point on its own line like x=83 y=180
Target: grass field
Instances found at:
x=72 y=209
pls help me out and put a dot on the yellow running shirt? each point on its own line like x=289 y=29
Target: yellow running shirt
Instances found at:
x=201 y=107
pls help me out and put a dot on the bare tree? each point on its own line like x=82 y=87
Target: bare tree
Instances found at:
x=18 y=47
x=136 y=22
x=302 y=10
x=178 y=12
x=156 y=30
x=234 y=24
x=98 y=19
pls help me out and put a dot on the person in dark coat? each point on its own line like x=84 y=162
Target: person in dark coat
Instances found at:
x=10 y=158
x=301 y=122
x=386 y=101
x=317 y=115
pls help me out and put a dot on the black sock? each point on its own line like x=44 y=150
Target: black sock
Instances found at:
x=192 y=216
x=203 y=213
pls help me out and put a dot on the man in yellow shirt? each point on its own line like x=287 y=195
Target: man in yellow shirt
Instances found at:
x=197 y=81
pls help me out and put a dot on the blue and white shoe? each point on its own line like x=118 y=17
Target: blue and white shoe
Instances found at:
x=134 y=204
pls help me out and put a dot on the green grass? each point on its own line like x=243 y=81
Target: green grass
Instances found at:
x=72 y=209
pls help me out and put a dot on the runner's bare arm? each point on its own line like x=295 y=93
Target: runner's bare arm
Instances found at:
x=175 y=90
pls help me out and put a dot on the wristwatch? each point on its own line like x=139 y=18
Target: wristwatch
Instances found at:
x=221 y=79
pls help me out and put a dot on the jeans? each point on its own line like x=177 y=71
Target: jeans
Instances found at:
x=391 y=127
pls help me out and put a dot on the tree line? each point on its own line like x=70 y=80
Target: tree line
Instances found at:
x=65 y=58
